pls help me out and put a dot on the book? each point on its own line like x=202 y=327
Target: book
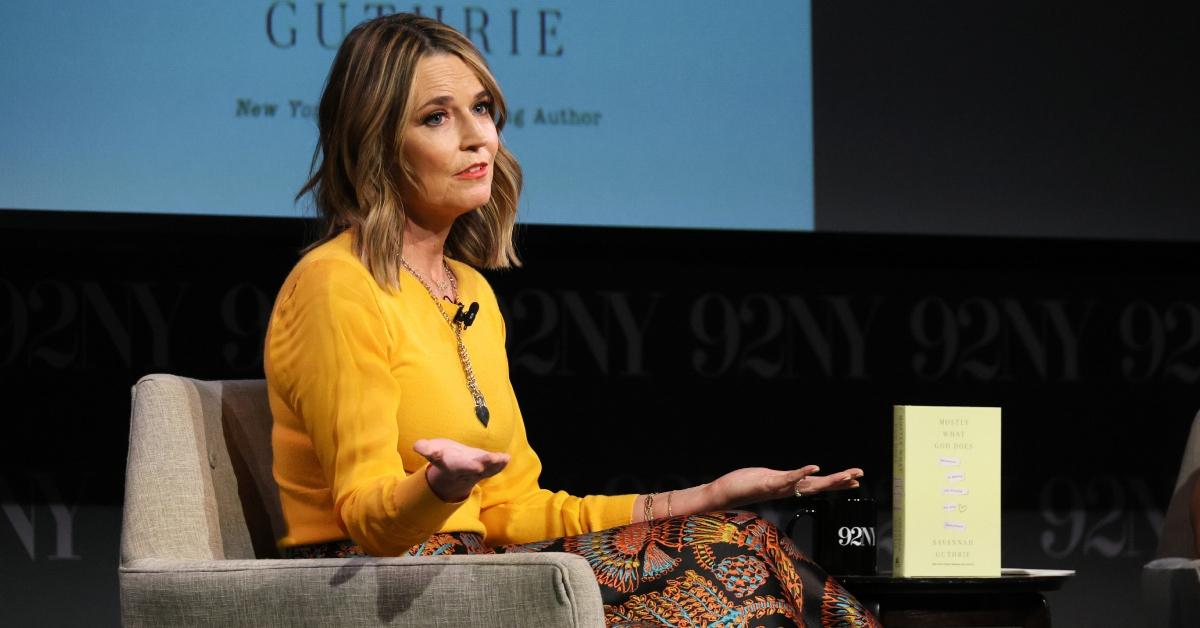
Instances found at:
x=946 y=491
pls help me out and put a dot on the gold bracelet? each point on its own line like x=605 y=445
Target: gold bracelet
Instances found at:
x=669 y=514
x=648 y=515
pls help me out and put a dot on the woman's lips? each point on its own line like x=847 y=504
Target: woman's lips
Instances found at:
x=475 y=171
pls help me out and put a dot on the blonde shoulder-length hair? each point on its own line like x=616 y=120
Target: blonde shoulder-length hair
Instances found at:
x=357 y=170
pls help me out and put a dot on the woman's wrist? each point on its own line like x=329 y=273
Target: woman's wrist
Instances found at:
x=435 y=478
x=690 y=501
x=687 y=501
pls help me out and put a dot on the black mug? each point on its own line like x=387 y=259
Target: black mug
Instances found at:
x=843 y=531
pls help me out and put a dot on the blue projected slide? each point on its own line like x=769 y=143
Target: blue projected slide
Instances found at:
x=689 y=113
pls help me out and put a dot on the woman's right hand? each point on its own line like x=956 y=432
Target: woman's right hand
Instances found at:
x=454 y=468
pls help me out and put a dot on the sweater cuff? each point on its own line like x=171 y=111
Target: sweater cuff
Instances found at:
x=424 y=510
x=616 y=510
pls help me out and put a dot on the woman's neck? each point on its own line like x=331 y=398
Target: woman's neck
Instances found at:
x=424 y=251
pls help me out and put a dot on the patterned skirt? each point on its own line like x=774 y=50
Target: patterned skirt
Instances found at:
x=713 y=569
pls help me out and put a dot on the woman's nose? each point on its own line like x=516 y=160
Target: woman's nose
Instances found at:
x=475 y=132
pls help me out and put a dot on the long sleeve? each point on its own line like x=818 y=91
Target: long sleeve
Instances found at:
x=329 y=362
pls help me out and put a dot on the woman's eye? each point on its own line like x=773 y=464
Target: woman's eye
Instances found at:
x=434 y=119
x=484 y=107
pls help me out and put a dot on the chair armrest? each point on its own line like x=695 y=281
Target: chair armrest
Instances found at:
x=1171 y=593
x=537 y=589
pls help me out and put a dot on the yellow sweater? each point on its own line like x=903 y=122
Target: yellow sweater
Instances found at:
x=356 y=374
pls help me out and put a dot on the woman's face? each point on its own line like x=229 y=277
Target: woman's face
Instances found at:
x=450 y=142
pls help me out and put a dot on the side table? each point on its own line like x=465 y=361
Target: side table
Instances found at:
x=1013 y=599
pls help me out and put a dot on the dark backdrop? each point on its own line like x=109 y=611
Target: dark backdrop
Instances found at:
x=651 y=359
x=1007 y=117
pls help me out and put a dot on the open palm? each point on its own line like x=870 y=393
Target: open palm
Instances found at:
x=757 y=484
x=455 y=468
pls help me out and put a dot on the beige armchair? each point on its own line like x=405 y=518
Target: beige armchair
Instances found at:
x=202 y=515
x=1171 y=582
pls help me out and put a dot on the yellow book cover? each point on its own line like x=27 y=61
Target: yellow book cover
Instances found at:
x=946 y=491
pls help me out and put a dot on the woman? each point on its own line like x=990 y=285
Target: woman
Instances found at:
x=396 y=428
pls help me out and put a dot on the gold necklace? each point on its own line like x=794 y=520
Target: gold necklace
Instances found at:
x=457 y=326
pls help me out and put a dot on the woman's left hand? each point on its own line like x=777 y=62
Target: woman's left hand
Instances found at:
x=758 y=484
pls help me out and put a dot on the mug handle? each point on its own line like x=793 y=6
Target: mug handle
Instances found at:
x=805 y=510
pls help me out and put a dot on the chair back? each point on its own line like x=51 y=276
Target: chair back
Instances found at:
x=198 y=482
x=1177 y=538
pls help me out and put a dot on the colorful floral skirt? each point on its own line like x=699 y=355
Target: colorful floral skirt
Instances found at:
x=712 y=569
